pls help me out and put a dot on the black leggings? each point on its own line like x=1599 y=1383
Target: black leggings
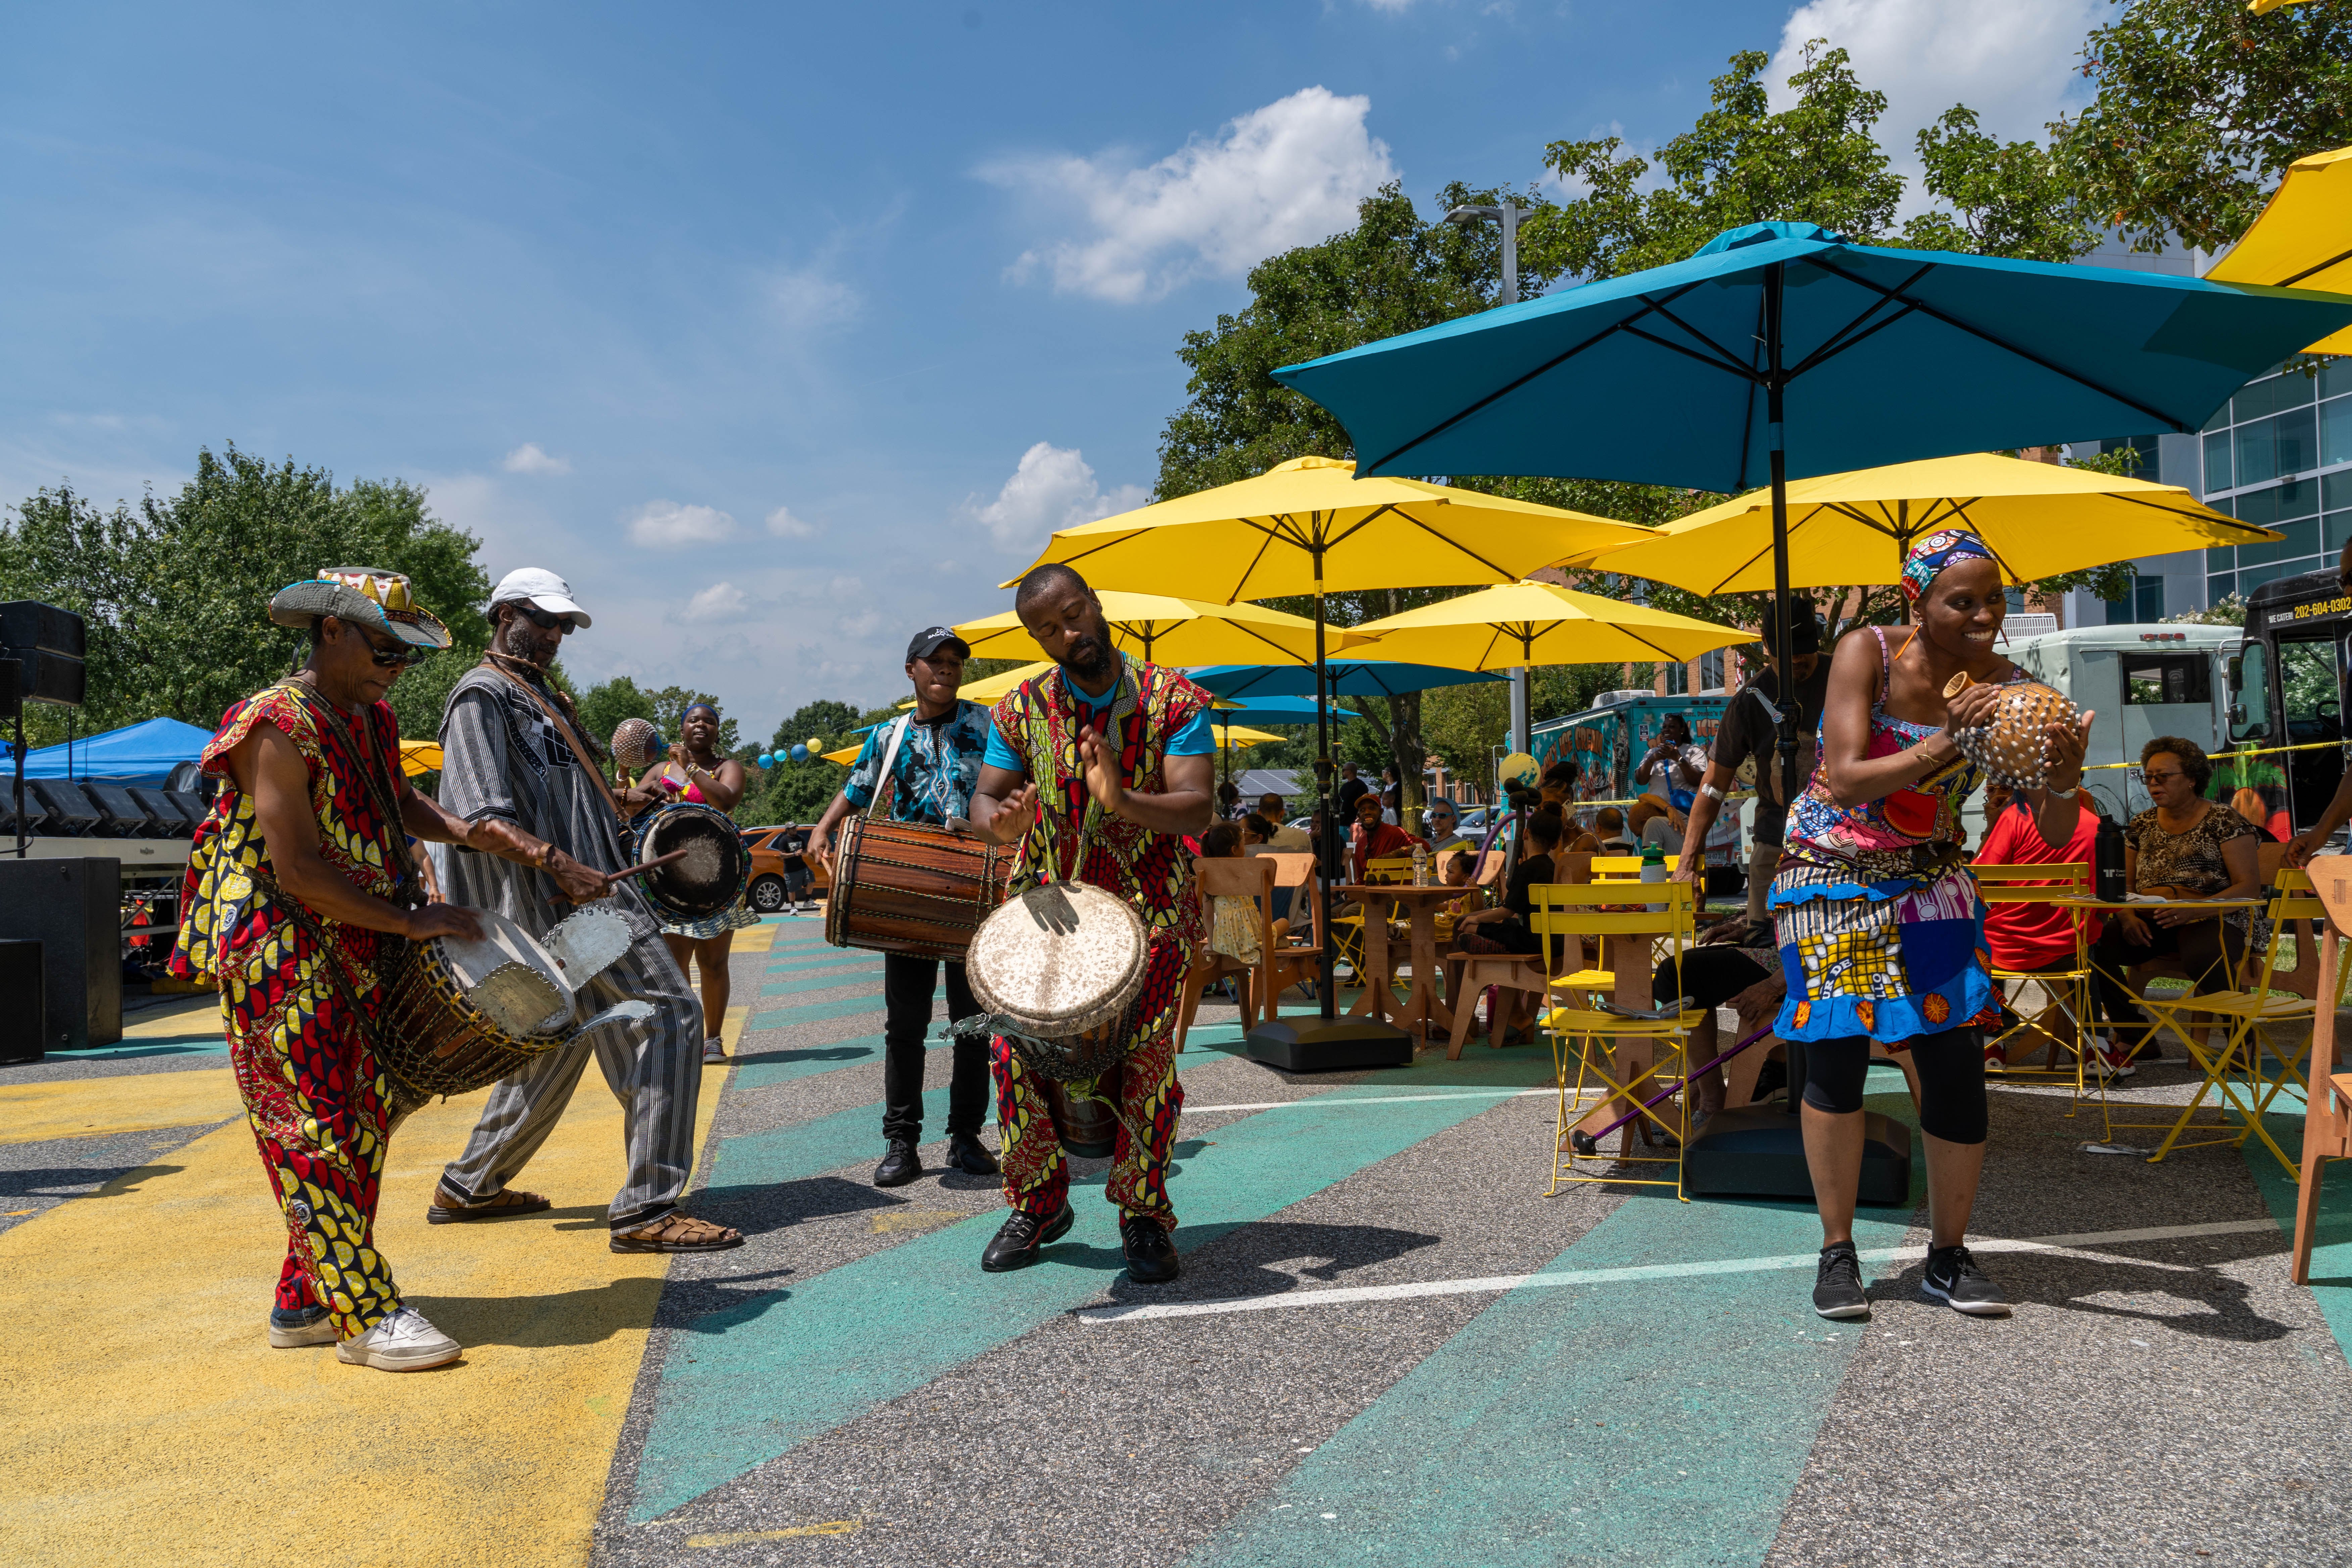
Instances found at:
x=1951 y=1080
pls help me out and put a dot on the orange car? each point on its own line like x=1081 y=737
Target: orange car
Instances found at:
x=782 y=871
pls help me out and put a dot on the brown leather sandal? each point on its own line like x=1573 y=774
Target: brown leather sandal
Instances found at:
x=449 y=1208
x=677 y=1232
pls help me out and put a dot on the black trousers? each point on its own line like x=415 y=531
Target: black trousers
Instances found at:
x=2210 y=949
x=907 y=984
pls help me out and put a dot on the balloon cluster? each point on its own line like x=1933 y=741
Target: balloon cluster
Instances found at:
x=801 y=751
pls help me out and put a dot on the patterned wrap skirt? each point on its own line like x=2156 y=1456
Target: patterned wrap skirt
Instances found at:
x=1890 y=960
x=734 y=917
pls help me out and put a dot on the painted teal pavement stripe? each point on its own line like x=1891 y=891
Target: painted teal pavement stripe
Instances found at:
x=824 y=982
x=812 y=1350
x=765 y=1069
x=837 y=959
x=1490 y=1451
x=753 y=1164
x=2331 y=1261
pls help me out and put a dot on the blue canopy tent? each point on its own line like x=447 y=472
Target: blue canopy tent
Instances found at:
x=142 y=754
x=1782 y=349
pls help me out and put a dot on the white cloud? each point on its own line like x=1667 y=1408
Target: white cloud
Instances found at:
x=1287 y=174
x=1053 y=487
x=719 y=602
x=528 y=458
x=804 y=299
x=666 y=525
x=2015 y=62
x=785 y=525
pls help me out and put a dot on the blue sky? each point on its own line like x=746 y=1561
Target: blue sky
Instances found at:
x=780 y=330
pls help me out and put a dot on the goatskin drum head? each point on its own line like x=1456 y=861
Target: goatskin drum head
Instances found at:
x=587 y=941
x=514 y=981
x=1059 y=960
x=716 y=866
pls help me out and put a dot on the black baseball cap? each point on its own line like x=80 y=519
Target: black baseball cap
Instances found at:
x=930 y=639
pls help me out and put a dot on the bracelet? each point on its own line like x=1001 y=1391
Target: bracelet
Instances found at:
x=545 y=858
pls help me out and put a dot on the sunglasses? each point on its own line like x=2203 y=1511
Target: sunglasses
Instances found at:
x=544 y=620
x=397 y=655
x=2146 y=777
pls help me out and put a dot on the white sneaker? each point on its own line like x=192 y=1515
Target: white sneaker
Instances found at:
x=714 y=1050
x=319 y=1331
x=404 y=1342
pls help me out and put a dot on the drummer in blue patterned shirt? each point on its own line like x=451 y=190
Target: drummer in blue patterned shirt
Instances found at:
x=936 y=763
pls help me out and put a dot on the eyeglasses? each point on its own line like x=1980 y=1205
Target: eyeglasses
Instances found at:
x=397 y=655
x=2148 y=778
x=544 y=620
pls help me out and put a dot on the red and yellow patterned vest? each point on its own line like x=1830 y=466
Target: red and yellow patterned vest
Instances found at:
x=1039 y=719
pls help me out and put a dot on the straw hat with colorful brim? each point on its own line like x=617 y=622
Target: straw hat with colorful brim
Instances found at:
x=363 y=595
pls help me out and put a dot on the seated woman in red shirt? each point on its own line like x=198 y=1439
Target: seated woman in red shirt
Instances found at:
x=1374 y=839
x=2029 y=937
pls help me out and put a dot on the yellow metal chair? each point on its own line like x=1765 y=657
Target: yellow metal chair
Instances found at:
x=1582 y=1028
x=2246 y=1016
x=2068 y=989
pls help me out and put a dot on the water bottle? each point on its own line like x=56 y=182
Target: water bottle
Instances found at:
x=2107 y=863
x=1653 y=869
x=1421 y=865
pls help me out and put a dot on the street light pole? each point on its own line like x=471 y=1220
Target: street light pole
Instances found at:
x=1522 y=708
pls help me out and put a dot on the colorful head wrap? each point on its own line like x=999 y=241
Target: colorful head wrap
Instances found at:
x=1935 y=553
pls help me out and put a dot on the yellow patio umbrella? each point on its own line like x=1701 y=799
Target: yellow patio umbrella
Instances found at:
x=1171 y=631
x=2303 y=237
x=420 y=757
x=2038 y=518
x=847 y=755
x=991 y=688
x=1521 y=624
x=1234 y=735
x=1310 y=526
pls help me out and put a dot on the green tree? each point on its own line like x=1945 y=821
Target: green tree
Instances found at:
x=603 y=706
x=2201 y=106
x=174 y=592
x=1998 y=198
x=798 y=792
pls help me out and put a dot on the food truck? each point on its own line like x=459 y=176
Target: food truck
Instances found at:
x=2285 y=689
x=1606 y=743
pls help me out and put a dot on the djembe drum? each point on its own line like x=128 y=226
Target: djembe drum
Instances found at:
x=1059 y=970
x=458 y=1015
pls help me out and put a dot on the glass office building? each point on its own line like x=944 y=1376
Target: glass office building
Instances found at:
x=2280 y=454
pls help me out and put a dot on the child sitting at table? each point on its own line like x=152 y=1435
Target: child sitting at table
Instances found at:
x=1233 y=926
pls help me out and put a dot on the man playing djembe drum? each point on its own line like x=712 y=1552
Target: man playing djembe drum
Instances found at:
x=512 y=750
x=1095 y=768
x=294 y=882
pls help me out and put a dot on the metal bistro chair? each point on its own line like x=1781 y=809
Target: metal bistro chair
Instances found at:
x=2243 y=1014
x=1593 y=909
x=2067 y=989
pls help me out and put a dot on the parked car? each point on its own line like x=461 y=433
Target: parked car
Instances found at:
x=783 y=872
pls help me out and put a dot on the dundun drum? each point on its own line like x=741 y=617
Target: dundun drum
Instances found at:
x=911 y=888
x=716 y=866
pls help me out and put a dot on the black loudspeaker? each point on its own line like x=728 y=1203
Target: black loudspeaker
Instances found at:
x=74 y=910
x=12 y=673
x=20 y=982
x=49 y=642
x=119 y=813
x=71 y=814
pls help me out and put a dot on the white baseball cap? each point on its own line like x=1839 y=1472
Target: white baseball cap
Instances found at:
x=541 y=587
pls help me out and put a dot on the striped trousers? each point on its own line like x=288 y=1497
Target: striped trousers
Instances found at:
x=655 y=1069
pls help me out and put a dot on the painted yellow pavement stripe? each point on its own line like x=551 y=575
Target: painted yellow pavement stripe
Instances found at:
x=143 y=1417
x=94 y=1106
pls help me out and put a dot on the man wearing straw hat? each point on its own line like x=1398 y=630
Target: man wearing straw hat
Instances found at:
x=513 y=750
x=295 y=881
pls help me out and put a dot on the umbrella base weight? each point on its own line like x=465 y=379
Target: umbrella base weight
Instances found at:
x=1329 y=1044
x=1756 y=1151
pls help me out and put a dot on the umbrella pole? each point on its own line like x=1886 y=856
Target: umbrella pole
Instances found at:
x=1328 y=1043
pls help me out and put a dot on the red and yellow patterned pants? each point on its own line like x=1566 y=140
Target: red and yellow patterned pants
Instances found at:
x=318 y=1106
x=1037 y=1176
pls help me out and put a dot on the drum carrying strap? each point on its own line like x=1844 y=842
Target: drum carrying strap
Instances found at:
x=888 y=782
x=562 y=728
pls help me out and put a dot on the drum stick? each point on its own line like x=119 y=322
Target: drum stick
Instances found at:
x=610 y=877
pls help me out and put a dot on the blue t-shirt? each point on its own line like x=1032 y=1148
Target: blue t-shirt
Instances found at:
x=1196 y=739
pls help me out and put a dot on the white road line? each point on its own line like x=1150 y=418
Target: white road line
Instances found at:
x=1319 y=1102
x=1349 y=1295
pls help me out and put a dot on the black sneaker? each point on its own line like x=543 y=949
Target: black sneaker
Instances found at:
x=1837 y=1286
x=1954 y=1279
x=1771 y=1079
x=1021 y=1237
x=1150 y=1252
x=900 y=1166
